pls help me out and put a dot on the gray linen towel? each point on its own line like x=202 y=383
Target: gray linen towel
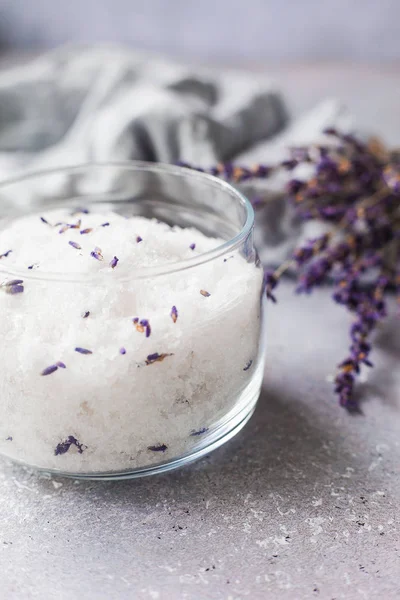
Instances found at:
x=86 y=104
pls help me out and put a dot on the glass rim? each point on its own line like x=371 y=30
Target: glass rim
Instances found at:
x=142 y=272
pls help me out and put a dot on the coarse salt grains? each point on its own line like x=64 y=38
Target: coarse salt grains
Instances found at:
x=118 y=372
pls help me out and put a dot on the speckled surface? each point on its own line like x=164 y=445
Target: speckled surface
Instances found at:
x=304 y=503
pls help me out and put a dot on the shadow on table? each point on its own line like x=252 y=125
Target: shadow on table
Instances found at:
x=383 y=379
x=282 y=448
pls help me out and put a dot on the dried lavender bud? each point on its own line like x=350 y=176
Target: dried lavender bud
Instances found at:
x=85 y=314
x=142 y=326
x=64 y=446
x=75 y=245
x=87 y=230
x=5 y=254
x=14 y=288
x=96 y=253
x=44 y=220
x=199 y=432
x=192 y=246
x=247 y=367
x=9 y=439
x=146 y=324
x=174 y=314
x=310 y=249
x=66 y=226
x=114 y=262
x=49 y=370
x=83 y=351
x=122 y=351
x=158 y=448
x=105 y=224
x=61 y=365
x=152 y=358
x=33 y=266
x=204 y=293
x=139 y=239
x=14 y=282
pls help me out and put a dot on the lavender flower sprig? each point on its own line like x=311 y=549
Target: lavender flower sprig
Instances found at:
x=355 y=190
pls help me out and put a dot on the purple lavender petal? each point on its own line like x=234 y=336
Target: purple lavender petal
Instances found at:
x=105 y=224
x=83 y=351
x=85 y=314
x=5 y=254
x=66 y=226
x=114 y=262
x=156 y=357
x=49 y=370
x=87 y=230
x=44 y=220
x=14 y=289
x=139 y=239
x=9 y=439
x=204 y=293
x=174 y=314
x=145 y=323
x=122 y=350
x=61 y=365
x=75 y=245
x=14 y=282
x=142 y=325
x=199 y=432
x=192 y=246
x=64 y=446
x=96 y=253
x=158 y=448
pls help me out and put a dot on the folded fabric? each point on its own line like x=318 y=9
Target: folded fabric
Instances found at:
x=95 y=104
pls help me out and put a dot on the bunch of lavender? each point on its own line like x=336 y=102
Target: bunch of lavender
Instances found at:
x=356 y=190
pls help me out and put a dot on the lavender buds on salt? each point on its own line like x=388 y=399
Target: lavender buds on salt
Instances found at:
x=96 y=253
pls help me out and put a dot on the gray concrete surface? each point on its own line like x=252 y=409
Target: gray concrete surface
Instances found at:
x=304 y=503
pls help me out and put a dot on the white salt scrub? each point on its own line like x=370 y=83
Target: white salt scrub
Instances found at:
x=115 y=373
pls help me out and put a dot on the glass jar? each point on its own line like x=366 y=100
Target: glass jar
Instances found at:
x=84 y=390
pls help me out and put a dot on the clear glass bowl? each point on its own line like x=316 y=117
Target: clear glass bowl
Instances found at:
x=138 y=404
